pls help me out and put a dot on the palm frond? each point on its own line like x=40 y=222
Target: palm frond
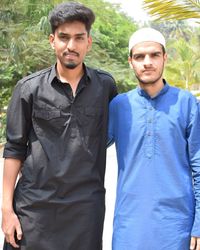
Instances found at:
x=173 y=9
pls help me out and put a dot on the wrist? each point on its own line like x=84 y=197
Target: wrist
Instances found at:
x=7 y=208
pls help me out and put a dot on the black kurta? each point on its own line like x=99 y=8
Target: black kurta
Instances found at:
x=61 y=139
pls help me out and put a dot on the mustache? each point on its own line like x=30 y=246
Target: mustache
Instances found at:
x=68 y=53
x=149 y=69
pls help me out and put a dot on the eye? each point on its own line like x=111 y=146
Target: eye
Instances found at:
x=79 y=38
x=63 y=37
x=138 y=57
x=156 y=54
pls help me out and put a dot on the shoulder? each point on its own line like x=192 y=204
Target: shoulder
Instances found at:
x=183 y=94
x=184 y=100
x=123 y=97
x=103 y=75
x=121 y=102
x=29 y=83
x=103 y=79
x=35 y=75
x=32 y=80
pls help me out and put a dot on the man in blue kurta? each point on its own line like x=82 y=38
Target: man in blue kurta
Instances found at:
x=156 y=130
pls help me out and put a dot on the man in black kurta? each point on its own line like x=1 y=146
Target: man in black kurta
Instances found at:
x=56 y=138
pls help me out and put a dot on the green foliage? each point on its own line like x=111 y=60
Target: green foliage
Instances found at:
x=2 y=127
x=23 y=43
x=184 y=63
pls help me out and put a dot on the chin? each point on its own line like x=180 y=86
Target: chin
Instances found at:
x=148 y=80
x=70 y=65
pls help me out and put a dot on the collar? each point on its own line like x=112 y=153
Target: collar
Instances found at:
x=162 y=92
x=53 y=74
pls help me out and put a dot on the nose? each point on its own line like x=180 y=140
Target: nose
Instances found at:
x=147 y=60
x=71 y=44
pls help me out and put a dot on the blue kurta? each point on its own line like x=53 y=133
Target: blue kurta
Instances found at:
x=158 y=150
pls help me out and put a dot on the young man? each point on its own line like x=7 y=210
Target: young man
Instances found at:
x=156 y=130
x=56 y=131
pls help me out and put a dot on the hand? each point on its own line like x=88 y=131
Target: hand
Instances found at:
x=195 y=243
x=10 y=227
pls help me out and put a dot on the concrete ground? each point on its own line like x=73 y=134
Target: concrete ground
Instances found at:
x=110 y=184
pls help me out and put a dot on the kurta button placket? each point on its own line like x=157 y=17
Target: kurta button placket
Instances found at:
x=149 y=142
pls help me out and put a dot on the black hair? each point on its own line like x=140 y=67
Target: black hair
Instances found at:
x=163 y=50
x=70 y=12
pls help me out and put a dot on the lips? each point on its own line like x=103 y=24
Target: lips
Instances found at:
x=70 y=54
x=148 y=72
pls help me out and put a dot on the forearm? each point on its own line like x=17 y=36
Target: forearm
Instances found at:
x=10 y=173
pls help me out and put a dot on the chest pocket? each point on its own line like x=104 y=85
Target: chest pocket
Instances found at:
x=50 y=120
x=90 y=120
x=47 y=114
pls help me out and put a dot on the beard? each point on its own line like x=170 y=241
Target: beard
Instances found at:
x=148 y=81
x=152 y=80
x=70 y=65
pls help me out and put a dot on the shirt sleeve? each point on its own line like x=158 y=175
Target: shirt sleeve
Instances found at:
x=111 y=122
x=18 y=123
x=113 y=91
x=194 y=156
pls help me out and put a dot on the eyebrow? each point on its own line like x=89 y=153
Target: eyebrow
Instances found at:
x=143 y=53
x=66 y=34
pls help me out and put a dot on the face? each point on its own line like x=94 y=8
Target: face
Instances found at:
x=148 y=62
x=71 y=43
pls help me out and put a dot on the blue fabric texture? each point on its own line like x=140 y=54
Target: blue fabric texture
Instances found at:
x=158 y=151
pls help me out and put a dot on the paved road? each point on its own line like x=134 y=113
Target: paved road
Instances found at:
x=110 y=184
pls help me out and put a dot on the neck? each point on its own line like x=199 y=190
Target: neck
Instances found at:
x=152 y=89
x=71 y=76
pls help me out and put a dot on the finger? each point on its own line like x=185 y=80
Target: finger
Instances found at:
x=13 y=242
x=19 y=232
x=10 y=238
x=7 y=238
x=192 y=243
x=198 y=244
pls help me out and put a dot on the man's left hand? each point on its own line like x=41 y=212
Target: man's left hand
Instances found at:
x=195 y=243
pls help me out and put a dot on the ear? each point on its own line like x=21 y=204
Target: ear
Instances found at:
x=130 y=62
x=89 y=43
x=165 y=57
x=52 y=40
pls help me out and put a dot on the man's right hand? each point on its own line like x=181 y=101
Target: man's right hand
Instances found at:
x=11 y=227
x=10 y=222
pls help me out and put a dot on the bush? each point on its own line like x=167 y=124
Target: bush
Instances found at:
x=2 y=127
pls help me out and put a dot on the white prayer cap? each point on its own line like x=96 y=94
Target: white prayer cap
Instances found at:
x=146 y=35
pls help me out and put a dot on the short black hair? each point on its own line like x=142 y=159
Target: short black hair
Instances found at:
x=70 y=12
